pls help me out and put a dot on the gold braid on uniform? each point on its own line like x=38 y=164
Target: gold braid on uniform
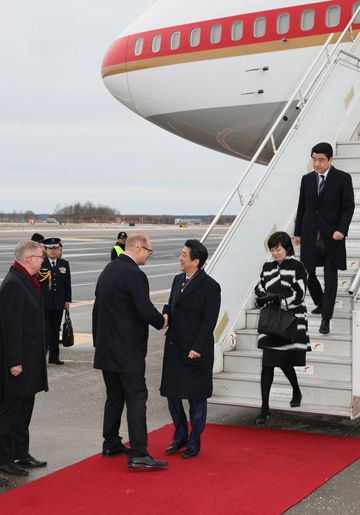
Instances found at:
x=45 y=275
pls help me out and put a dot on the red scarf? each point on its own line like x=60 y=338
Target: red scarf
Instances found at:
x=33 y=278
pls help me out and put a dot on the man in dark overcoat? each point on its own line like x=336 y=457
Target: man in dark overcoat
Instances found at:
x=121 y=316
x=193 y=309
x=22 y=357
x=55 y=282
x=325 y=209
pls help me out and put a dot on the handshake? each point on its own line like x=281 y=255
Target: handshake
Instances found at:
x=166 y=321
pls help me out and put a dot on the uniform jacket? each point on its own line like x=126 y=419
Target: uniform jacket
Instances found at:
x=22 y=337
x=326 y=213
x=55 y=284
x=192 y=319
x=121 y=316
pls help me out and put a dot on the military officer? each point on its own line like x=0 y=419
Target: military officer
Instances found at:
x=55 y=283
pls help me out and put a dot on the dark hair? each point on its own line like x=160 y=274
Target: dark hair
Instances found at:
x=323 y=148
x=37 y=237
x=281 y=238
x=197 y=251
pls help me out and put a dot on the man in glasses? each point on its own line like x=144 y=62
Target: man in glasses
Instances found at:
x=22 y=357
x=121 y=316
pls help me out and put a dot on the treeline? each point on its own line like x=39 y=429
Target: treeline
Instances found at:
x=88 y=212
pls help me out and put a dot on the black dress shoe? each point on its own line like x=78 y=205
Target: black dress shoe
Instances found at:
x=176 y=447
x=324 y=326
x=120 y=449
x=3 y=481
x=263 y=417
x=190 y=453
x=146 y=462
x=296 y=400
x=14 y=469
x=31 y=462
x=56 y=362
x=317 y=310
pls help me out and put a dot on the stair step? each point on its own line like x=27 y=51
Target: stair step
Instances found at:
x=337 y=346
x=342 y=411
x=347 y=149
x=318 y=366
x=244 y=389
x=340 y=323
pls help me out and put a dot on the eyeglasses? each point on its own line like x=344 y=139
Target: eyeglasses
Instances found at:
x=150 y=251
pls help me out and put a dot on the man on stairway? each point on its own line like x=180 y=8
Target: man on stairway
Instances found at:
x=325 y=209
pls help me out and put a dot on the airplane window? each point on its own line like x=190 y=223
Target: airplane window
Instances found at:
x=355 y=6
x=307 y=19
x=283 y=23
x=215 y=34
x=156 y=43
x=139 y=45
x=175 y=40
x=195 y=37
x=259 y=27
x=333 y=14
x=237 y=30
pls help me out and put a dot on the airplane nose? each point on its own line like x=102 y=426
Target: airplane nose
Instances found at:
x=114 y=72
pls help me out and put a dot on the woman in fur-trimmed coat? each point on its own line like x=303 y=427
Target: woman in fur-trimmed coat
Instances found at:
x=287 y=276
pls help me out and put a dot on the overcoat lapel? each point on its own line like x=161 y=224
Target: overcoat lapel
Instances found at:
x=193 y=284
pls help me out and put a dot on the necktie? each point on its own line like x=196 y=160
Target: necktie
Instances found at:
x=52 y=264
x=322 y=183
x=184 y=283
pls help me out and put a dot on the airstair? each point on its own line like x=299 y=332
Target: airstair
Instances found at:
x=328 y=102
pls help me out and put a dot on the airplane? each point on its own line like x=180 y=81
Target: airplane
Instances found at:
x=218 y=73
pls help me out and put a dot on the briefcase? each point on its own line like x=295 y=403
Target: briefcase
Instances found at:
x=67 y=331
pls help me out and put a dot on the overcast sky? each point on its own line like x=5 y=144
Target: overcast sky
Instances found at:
x=64 y=138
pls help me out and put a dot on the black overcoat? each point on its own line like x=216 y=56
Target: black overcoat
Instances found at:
x=121 y=316
x=328 y=212
x=22 y=340
x=192 y=319
x=55 y=284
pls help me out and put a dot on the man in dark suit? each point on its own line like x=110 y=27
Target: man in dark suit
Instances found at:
x=121 y=317
x=325 y=209
x=193 y=310
x=55 y=282
x=22 y=357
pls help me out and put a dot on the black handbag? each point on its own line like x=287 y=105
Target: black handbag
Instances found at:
x=277 y=322
x=67 y=331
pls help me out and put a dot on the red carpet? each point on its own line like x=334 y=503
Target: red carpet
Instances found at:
x=239 y=471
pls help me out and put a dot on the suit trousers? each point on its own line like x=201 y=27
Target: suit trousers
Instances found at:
x=53 y=319
x=15 y=417
x=129 y=389
x=324 y=298
x=197 y=412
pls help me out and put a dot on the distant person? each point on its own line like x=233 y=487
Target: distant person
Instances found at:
x=22 y=357
x=193 y=309
x=286 y=276
x=325 y=209
x=55 y=283
x=37 y=237
x=121 y=316
x=119 y=247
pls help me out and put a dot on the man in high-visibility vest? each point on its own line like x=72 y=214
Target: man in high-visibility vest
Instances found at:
x=119 y=247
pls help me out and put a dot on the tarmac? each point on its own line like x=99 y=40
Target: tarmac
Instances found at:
x=67 y=424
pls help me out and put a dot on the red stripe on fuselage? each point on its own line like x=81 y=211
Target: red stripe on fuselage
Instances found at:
x=122 y=50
